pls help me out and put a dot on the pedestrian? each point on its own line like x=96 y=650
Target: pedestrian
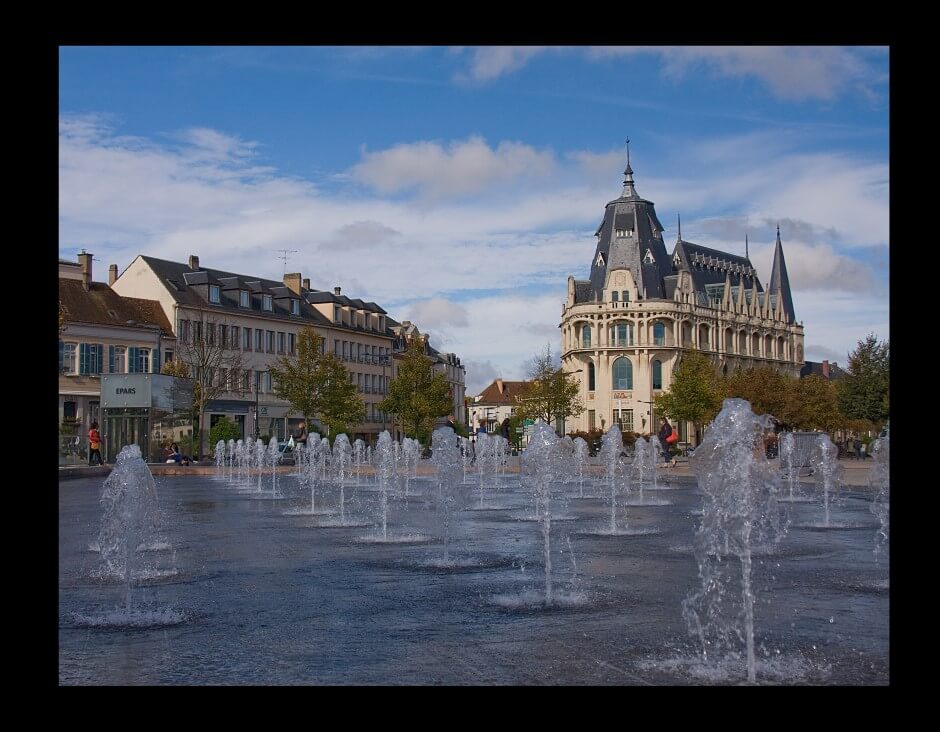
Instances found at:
x=863 y=450
x=504 y=428
x=858 y=449
x=301 y=438
x=94 y=445
x=665 y=432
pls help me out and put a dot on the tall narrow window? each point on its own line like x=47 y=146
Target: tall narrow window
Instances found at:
x=591 y=377
x=659 y=334
x=246 y=339
x=234 y=337
x=590 y=419
x=657 y=374
x=259 y=340
x=69 y=362
x=214 y=293
x=625 y=295
x=623 y=374
x=281 y=342
x=244 y=299
x=586 y=336
x=143 y=360
x=292 y=344
x=118 y=360
x=269 y=341
x=295 y=307
x=614 y=296
x=267 y=303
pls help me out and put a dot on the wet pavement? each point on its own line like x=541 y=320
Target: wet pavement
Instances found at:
x=242 y=594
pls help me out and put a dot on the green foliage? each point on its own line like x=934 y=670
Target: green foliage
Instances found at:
x=863 y=393
x=768 y=390
x=225 y=429
x=418 y=395
x=549 y=393
x=176 y=368
x=812 y=403
x=696 y=393
x=317 y=385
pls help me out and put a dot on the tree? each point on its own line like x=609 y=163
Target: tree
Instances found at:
x=696 y=392
x=225 y=430
x=863 y=392
x=418 y=395
x=210 y=362
x=550 y=393
x=812 y=403
x=768 y=390
x=175 y=368
x=317 y=385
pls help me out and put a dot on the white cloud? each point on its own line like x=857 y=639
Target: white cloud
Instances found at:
x=462 y=167
x=121 y=196
x=792 y=73
x=480 y=374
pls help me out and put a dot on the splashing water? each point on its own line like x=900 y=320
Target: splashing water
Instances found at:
x=385 y=474
x=739 y=510
x=580 y=458
x=879 y=479
x=611 y=447
x=274 y=457
x=445 y=456
x=538 y=462
x=825 y=462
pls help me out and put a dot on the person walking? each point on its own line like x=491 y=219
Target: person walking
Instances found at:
x=858 y=449
x=94 y=445
x=301 y=438
x=665 y=432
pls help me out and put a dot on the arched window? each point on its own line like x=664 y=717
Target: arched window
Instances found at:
x=659 y=334
x=586 y=336
x=623 y=374
x=614 y=295
x=657 y=374
x=621 y=334
x=590 y=377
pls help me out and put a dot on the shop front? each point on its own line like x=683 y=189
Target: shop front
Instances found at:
x=149 y=410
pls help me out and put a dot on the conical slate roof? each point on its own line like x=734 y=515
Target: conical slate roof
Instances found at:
x=779 y=284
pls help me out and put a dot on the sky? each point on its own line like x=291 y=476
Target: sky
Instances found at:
x=459 y=187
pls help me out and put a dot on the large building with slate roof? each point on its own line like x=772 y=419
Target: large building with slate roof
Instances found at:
x=625 y=328
x=259 y=321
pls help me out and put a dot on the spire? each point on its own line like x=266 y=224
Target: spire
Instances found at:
x=780 y=281
x=628 y=190
x=746 y=255
x=679 y=223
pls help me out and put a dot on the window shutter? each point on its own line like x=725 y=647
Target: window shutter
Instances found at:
x=110 y=359
x=155 y=361
x=132 y=360
x=61 y=355
x=99 y=354
x=83 y=358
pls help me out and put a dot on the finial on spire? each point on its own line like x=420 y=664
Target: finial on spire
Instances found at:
x=778 y=233
x=628 y=190
x=679 y=222
x=746 y=255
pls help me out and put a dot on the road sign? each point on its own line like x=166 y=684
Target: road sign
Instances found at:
x=519 y=430
x=528 y=422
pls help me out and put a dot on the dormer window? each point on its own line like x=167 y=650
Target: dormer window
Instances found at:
x=599 y=261
x=295 y=307
x=244 y=299
x=267 y=303
x=648 y=257
x=677 y=260
x=336 y=314
x=614 y=296
x=214 y=293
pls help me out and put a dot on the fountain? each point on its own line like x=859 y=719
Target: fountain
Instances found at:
x=230 y=458
x=879 y=480
x=580 y=458
x=359 y=454
x=611 y=447
x=385 y=474
x=466 y=452
x=220 y=459
x=483 y=451
x=740 y=510
x=259 y=460
x=445 y=456
x=342 y=457
x=825 y=462
x=274 y=457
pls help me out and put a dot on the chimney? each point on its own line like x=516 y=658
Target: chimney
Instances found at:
x=292 y=281
x=306 y=283
x=825 y=368
x=337 y=290
x=500 y=385
x=85 y=260
x=193 y=261
x=112 y=274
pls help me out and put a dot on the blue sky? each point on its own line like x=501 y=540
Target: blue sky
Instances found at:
x=459 y=187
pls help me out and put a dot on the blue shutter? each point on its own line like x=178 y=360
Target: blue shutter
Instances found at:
x=61 y=355
x=110 y=359
x=132 y=360
x=99 y=364
x=83 y=358
x=155 y=361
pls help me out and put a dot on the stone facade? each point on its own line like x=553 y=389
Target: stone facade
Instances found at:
x=624 y=331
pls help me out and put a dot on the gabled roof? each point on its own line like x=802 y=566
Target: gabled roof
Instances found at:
x=492 y=394
x=101 y=305
x=836 y=372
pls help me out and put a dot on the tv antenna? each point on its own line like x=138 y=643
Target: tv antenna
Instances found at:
x=285 y=253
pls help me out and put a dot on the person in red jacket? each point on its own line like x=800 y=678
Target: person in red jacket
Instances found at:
x=94 y=444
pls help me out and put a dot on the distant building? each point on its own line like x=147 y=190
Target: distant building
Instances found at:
x=102 y=333
x=830 y=371
x=496 y=403
x=628 y=325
